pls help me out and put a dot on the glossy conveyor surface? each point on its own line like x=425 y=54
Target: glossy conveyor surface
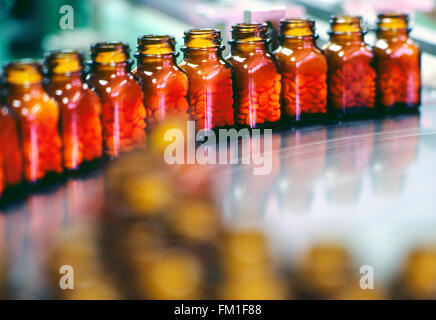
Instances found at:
x=370 y=184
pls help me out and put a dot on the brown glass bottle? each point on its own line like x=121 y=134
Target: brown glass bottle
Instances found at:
x=123 y=111
x=165 y=85
x=304 y=72
x=257 y=83
x=80 y=109
x=38 y=115
x=210 y=78
x=351 y=76
x=398 y=65
x=11 y=157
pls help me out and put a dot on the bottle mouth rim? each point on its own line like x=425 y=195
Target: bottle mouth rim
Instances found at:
x=22 y=63
x=109 y=46
x=298 y=20
x=343 y=18
x=155 y=39
x=202 y=31
x=249 y=26
x=393 y=15
x=53 y=54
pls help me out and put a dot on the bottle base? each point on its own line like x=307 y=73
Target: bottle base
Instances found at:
x=399 y=108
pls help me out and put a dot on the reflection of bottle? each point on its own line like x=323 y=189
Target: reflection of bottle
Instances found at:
x=348 y=159
x=351 y=76
x=394 y=154
x=398 y=65
x=38 y=120
x=164 y=84
x=302 y=167
x=304 y=71
x=80 y=109
x=210 y=78
x=123 y=111
x=257 y=80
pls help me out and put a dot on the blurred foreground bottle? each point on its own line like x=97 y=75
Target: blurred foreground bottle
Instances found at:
x=80 y=110
x=11 y=157
x=123 y=111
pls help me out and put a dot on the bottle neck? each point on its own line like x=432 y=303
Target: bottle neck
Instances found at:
x=398 y=34
x=355 y=37
x=13 y=88
x=74 y=78
x=118 y=68
x=209 y=54
x=258 y=47
x=154 y=61
x=298 y=42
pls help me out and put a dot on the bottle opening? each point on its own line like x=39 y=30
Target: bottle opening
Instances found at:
x=202 y=38
x=392 y=21
x=110 y=52
x=63 y=62
x=294 y=28
x=155 y=45
x=243 y=32
x=23 y=72
x=346 y=24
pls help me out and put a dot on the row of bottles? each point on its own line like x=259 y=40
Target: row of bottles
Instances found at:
x=53 y=118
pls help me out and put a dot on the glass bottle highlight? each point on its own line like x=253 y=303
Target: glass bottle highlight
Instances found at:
x=304 y=72
x=123 y=111
x=80 y=108
x=257 y=79
x=210 y=77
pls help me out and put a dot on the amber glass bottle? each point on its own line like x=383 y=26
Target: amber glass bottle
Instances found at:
x=164 y=84
x=257 y=79
x=38 y=115
x=11 y=158
x=80 y=109
x=210 y=77
x=351 y=76
x=304 y=72
x=123 y=111
x=398 y=65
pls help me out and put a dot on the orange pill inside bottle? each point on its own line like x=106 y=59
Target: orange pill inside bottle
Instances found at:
x=210 y=77
x=304 y=72
x=80 y=108
x=38 y=116
x=257 y=84
x=123 y=111
x=351 y=75
x=398 y=65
